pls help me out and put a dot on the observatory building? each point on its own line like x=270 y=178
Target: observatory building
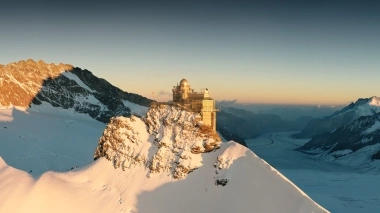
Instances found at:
x=200 y=102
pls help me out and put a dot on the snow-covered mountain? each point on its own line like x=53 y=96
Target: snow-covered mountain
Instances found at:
x=28 y=83
x=354 y=144
x=171 y=163
x=362 y=107
x=253 y=186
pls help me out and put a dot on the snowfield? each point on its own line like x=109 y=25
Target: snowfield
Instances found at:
x=55 y=140
x=45 y=138
x=337 y=187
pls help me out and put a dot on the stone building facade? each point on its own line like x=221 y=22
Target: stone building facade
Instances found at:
x=200 y=102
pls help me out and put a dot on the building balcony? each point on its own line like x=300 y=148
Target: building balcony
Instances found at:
x=210 y=110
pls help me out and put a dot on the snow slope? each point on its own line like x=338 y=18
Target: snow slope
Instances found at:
x=44 y=138
x=101 y=188
x=253 y=185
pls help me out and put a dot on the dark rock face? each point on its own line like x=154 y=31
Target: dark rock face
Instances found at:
x=64 y=86
x=353 y=136
x=246 y=124
x=347 y=115
x=108 y=89
x=231 y=136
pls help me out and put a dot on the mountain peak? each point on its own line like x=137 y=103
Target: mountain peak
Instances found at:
x=28 y=82
x=370 y=101
x=374 y=101
x=362 y=107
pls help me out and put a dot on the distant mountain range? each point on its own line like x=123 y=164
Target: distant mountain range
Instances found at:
x=292 y=113
x=350 y=136
x=285 y=112
x=247 y=124
x=362 y=107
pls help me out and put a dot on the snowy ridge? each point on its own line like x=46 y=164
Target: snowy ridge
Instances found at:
x=364 y=107
x=99 y=187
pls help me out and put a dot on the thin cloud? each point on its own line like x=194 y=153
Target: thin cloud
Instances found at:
x=164 y=93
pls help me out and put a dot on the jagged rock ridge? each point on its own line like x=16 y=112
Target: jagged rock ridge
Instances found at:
x=168 y=139
x=28 y=82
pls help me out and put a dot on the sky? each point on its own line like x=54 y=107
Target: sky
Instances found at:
x=267 y=52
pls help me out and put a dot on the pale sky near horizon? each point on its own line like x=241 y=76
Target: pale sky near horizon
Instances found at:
x=298 y=52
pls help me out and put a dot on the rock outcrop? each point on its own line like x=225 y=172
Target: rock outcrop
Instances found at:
x=167 y=139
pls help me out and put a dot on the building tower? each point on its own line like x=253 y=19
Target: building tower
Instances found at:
x=200 y=102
